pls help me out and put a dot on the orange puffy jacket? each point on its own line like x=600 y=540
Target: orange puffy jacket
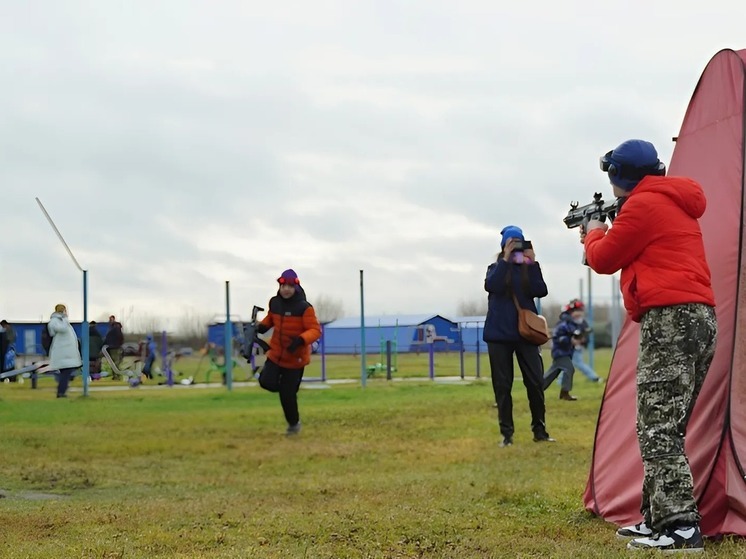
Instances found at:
x=290 y=318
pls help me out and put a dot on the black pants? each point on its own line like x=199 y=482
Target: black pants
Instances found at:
x=285 y=381
x=532 y=369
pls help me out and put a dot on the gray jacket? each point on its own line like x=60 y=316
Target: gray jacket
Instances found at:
x=64 y=353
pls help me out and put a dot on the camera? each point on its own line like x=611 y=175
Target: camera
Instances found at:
x=523 y=245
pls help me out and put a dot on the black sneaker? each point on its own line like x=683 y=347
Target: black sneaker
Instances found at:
x=640 y=530
x=507 y=441
x=687 y=539
x=544 y=439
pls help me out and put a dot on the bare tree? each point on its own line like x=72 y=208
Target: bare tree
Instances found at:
x=191 y=327
x=477 y=307
x=327 y=309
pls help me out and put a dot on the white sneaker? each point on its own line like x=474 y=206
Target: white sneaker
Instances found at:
x=293 y=429
x=640 y=530
x=687 y=539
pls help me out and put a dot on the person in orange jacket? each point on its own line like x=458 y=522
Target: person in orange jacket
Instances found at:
x=294 y=328
x=656 y=242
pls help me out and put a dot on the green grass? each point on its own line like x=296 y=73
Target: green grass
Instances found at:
x=395 y=470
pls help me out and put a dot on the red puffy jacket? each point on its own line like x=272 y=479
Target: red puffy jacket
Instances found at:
x=657 y=243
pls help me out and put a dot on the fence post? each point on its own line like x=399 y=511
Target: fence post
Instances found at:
x=388 y=359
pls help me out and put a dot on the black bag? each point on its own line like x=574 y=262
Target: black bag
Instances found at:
x=269 y=378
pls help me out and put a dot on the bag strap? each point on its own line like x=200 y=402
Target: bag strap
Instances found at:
x=512 y=291
x=517 y=305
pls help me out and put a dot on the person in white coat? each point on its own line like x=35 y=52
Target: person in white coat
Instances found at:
x=64 y=354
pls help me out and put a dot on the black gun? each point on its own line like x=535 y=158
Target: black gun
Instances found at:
x=598 y=209
x=250 y=335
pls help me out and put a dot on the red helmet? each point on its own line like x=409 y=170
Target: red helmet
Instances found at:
x=575 y=305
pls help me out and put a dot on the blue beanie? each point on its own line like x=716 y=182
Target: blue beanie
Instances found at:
x=630 y=161
x=510 y=232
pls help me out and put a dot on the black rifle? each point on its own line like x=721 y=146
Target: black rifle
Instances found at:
x=250 y=336
x=598 y=210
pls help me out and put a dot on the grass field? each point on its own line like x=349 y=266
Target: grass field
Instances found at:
x=395 y=470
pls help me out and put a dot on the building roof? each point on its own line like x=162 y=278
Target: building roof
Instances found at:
x=386 y=320
x=469 y=318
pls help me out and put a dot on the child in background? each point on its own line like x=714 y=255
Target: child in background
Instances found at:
x=565 y=337
x=577 y=307
x=150 y=351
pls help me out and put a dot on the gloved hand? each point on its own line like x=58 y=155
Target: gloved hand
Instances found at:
x=295 y=343
x=261 y=328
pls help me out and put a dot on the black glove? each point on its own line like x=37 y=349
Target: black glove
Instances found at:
x=295 y=343
x=261 y=328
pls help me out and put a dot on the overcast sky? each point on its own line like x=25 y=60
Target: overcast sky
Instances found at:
x=179 y=144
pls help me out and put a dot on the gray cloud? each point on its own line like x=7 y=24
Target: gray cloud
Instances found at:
x=178 y=146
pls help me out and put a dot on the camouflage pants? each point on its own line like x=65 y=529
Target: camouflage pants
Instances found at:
x=677 y=344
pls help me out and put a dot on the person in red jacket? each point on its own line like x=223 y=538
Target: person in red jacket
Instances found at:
x=294 y=328
x=656 y=242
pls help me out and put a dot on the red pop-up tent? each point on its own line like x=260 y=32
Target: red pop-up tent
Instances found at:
x=710 y=149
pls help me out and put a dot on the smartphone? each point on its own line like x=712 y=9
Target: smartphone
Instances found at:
x=523 y=245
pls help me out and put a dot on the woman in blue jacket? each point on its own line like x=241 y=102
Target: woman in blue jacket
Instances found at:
x=516 y=272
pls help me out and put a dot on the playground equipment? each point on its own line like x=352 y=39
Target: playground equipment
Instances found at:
x=133 y=378
x=387 y=356
x=212 y=353
x=24 y=372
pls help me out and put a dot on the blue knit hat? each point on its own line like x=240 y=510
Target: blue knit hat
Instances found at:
x=510 y=232
x=630 y=162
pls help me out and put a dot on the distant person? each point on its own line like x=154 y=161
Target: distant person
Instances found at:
x=150 y=350
x=656 y=241
x=577 y=308
x=8 y=351
x=114 y=340
x=64 y=353
x=515 y=273
x=566 y=335
x=10 y=335
x=295 y=328
x=95 y=343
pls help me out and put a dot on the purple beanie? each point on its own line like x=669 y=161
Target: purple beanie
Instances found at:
x=288 y=276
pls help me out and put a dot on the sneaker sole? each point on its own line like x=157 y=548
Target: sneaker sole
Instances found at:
x=623 y=537
x=667 y=551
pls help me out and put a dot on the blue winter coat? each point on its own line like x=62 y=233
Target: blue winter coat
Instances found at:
x=562 y=336
x=501 y=324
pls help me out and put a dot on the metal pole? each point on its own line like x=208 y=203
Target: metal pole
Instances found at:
x=478 y=356
x=84 y=332
x=322 y=349
x=228 y=339
x=363 y=367
x=432 y=360
x=86 y=339
x=462 y=349
x=164 y=356
x=388 y=359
